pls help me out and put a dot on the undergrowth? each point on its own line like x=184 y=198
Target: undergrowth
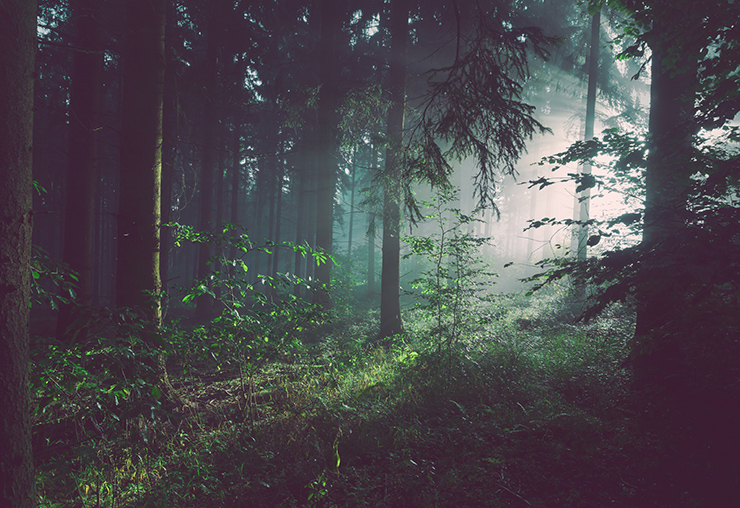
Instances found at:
x=527 y=409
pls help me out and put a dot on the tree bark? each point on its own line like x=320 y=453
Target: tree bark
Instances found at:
x=17 y=50
x=170 y=128
x=351 y=217
x=278 y=216
x=235 y=170
x=584 y=200
x=207 y=174
x=84 y=107
x=138 y=278
x=390 y=304
x=327 y=163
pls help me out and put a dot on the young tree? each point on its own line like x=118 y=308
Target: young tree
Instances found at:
x=470 y=105
x=17 y=50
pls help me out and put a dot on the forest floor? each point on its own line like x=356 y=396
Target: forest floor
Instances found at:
x=528 y=410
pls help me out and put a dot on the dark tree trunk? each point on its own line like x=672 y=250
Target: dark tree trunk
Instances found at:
x=84 y=107
x=17 y=49
x=169 y=144
x=298 y=188
x=390 y=305
x=327 y=142
x=278 y=214
x=204 y=303
x=235 y=170
x=370 y=254
x=351 y=218
x=139 y=207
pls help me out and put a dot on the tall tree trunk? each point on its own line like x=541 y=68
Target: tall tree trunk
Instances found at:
x=278 y=216
x=351 y=218
x=298 y=187
x=208 y=171
x=17 y=49
x=235 y=170
x=667 y=179
x=169 y=145
x=139 y=206
x=680 y=351
x=370 y=254
x=584 y=199
x=327 y=163
x=390 y=305
x=84 y=107
x=272 y=189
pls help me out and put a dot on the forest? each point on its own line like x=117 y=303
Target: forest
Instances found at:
x=371 y=253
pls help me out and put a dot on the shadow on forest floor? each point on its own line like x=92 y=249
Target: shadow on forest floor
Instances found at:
x=513 y=417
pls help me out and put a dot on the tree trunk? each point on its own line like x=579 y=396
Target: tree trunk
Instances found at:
x=351 y=218
x=584 y=200
x=139 y=209
x=17 y=49
x=327 y=142
x=235 y=170
x=370 y=255
x=84 y=107
x=390 y=305
x=208 y=170
x=278 y=214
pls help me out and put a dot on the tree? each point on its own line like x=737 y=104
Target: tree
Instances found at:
x=470 y=105
x=208 y=168
x=138 y=276
x=390 y=308
x=84 y=106
x=331 y=11
x=584 y=199
x=17 y=50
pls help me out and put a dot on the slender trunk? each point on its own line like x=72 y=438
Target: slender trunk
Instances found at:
x=584 y=200
x=17 y=49
x=169 y=144
x=299 y=240
x=235 y=170
x=327 y=163
x=370 y=254
x=278 y=213
x=84 y=109
x=204 y=302
x=351 y=219
x=390 y=305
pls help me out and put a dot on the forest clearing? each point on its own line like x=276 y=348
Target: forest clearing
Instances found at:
x=369 y=253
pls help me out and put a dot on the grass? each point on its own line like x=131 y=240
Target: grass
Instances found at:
x=516 y=416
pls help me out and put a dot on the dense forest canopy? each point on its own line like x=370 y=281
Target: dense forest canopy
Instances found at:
x=369 y=253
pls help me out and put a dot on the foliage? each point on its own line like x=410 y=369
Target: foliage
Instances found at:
x=474 y=108
x=51 y=280
x=456 y=275
x=258 y=322
x=524 y=414
x=99 y=387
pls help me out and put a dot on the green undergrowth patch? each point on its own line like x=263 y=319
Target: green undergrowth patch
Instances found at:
x=518 y=413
